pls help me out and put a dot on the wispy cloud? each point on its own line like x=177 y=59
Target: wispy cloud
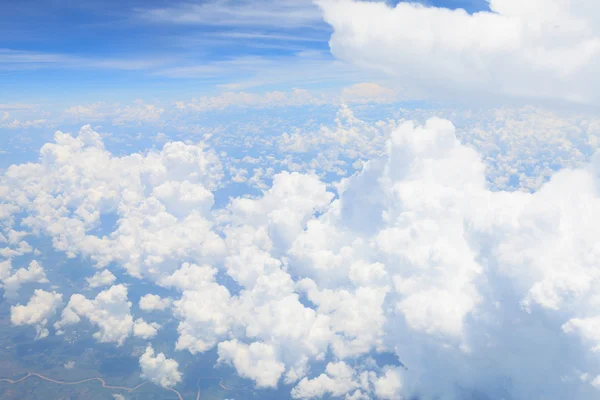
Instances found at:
x=304 y=67
x=18 y=60
x=267 y=36
x=16 y=106
x=284 y=13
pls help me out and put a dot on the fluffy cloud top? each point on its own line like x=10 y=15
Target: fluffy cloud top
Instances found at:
x=414 y=255
x=152 y=302
x=34 y=273
x=538 y=48
x=102 y=278
x=159 y=369
x=109 y=311
x=256 y=361
x=145 y=330
x=40 y=307
x=161 y=199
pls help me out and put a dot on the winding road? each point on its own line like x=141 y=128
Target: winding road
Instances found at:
x=104 y=384
x=209 y=377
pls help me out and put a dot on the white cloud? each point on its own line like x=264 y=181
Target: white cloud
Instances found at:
x=338 y=380
x=5 y=269
x=243 y=13
x=204 y=307
x=16 y=246
x=18 y=124
x=256 y=361
x=298 y=97
x=101 y=278
x=350 y=137
x=138 y=113
x=78 y=180
x=89 y=112
x=25 y=60
x=457 y=257
x=33 y=273
x=389 y=386
x=109 y=311
x=159 y=369
x=145 y=330
x=134 y=114
x=416 y=254
x=536 y=49
x=367 y=92
x=153 y=302
x=40 y=307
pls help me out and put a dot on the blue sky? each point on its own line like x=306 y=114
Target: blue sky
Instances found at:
x=51 y=51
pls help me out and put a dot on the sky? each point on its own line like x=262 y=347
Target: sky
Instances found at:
x=54 y=51
x=321 y=199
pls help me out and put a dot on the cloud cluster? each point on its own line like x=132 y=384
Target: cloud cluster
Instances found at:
x=161 y=200
x=298 y=97
x=159 y=369
x=534 y=49
x=11 y=282
x=341 y=380
x=102 y=278
x=134 y=114
x=153 y=302
x=40 y=307
x=109 y=311
x=473 y=290
x=145 y=330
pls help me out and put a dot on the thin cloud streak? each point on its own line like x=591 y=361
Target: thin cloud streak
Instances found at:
x=14 y=60
x=287 y=13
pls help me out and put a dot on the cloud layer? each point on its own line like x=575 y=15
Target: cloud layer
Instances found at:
x=472 y=290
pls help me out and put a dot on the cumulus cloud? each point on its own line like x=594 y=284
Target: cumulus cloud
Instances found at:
x=145 y=330
x=340 y=379
x=102 y=278
x=40 y=307
x=153 y=302
x=11 y=283
x=413 y=255
x=15 y=245
x=534 y=49
x=159 y=369
x=337 y=380
x=256 y=361
x=161 y=199
x=417 y=253
x=204 y=307
x=109 y=311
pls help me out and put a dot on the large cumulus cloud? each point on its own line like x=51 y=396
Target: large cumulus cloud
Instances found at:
x=473 y=290
x=538 y=48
